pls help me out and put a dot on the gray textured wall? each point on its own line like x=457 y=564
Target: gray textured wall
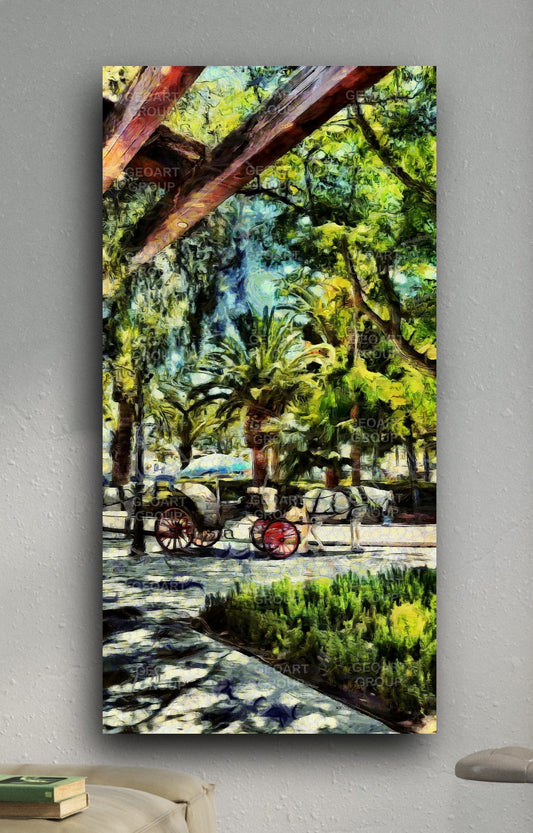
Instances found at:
x=51 y=55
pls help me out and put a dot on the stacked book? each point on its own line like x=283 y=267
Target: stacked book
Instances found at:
x=41 y=796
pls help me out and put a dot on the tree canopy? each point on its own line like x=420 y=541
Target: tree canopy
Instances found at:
x=303 y=307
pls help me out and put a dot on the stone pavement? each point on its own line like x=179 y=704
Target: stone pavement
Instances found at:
x=160 y=676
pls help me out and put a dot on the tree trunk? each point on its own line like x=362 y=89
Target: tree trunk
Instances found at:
x=273 y=461
x=185 y=453
x=260 y=466
x=427 y=472
x=411 y=465
x=256 y=440
x=139 y=545
x=355 y=456
x=376 y=473
x=332 y=478
x=122 y=440
x=124 y=508
x=376 y=447
x=355 y=449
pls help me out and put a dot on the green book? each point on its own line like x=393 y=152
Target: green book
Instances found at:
x=43 y=788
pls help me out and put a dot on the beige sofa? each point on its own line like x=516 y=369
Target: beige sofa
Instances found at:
x=126 y=800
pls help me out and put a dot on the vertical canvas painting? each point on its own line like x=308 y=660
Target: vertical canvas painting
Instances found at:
x=269 y=399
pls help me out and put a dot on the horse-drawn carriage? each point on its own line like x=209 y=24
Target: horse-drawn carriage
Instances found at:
x=192 y=514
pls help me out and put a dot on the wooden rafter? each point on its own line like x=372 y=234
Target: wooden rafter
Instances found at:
x=132 y=121
x=165 y=144
x=148 y=169
x=167 y=159
x=299 y=107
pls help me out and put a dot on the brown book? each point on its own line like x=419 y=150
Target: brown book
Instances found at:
x=42 y=809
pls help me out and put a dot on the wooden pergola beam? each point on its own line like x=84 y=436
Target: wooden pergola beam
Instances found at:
x=167 y=159
x=299 y=107
x=148 y=169
x=169 y=143
x=132 y=121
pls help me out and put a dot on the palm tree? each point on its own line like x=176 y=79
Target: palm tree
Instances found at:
x=329 y=316
x=181 y=413
x=258 y=373
x=312 y=436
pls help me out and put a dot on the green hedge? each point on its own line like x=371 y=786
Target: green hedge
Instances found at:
x=373 y=632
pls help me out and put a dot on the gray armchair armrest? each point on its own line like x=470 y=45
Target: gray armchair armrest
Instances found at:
x=511 y=764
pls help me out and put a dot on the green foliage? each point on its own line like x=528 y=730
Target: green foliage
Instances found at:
x=222 y=98
x=261 y=369
x=371 y=632
x=365 y=177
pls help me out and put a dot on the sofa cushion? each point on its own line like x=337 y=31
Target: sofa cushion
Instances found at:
x=111 y=810
x=179 y=787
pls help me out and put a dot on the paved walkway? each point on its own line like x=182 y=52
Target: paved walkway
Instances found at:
x=162 y=677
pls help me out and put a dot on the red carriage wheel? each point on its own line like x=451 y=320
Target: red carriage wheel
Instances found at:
x=281 y=539
x=174 y=529
x=256 y=533
x=206 y=538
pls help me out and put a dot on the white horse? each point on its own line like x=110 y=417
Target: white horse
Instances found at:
x=349 y=503
x=325 y=506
